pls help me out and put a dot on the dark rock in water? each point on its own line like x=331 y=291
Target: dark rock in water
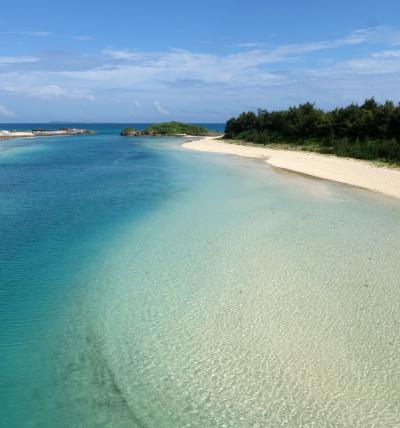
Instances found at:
x=131 y=132
x=44 y=132
x=62 y=131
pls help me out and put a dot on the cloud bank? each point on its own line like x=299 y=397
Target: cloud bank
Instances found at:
x=208 y=86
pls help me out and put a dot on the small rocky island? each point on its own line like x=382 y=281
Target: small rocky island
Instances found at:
x=131 y=132
x=44 y=132
x=168 y=128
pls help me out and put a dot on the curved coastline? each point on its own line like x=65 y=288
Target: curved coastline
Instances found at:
x=230 y=301
x=353 y=172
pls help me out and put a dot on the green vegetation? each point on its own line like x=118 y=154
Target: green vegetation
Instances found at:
x=370 y=131
x=174 y=128
x=168 y=128
x=131 y=132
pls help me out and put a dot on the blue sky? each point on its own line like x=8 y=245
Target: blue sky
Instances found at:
x=131 y=61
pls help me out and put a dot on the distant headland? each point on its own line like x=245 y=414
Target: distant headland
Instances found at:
x=171 y=129
x=4 y=134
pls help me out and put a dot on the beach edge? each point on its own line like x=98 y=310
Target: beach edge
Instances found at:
x=354 y=172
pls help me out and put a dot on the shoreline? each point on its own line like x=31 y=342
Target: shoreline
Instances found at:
x=353 y=172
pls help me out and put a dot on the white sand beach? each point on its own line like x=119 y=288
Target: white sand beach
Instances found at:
x=348 y=171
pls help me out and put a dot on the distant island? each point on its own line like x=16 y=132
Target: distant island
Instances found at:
x=369 y=131
x=4 y=134
x=169 y=128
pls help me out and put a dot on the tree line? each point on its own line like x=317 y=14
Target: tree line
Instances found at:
x=368 y=131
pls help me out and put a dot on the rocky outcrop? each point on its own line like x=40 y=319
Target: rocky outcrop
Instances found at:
x=131 y=132
x=15 y=134
x=62 y=131
x=146 y=132
x=44 y=132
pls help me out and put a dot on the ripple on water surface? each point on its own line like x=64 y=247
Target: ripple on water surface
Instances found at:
x=235 y=296
x=246 y=305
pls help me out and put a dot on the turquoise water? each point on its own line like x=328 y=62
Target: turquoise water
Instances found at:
x=144 y=285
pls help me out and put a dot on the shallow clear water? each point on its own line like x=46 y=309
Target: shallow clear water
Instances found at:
x=146 y=285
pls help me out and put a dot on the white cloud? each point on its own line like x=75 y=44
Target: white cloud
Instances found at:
x=386 y=62
x=253 y=75
x=53 y=91
x=131 y=68
x=354 y=38
x=386 y=54
x=370 y=66
x=160 y=109
x=141 y=70
x=359 y=36
x=5 y=112
x=45 y=91
x=7 y=60
x=280 y=52
x=249 y=45
x=120 y=54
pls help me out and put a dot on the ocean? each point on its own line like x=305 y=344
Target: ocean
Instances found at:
x=146 y=285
